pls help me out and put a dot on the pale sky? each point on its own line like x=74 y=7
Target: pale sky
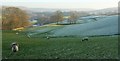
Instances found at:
x=94 y=4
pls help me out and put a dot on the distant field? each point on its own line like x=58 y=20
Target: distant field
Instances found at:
x=60 y=48
x=103 y=26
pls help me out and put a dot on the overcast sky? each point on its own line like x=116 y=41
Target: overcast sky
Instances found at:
x=94 y=4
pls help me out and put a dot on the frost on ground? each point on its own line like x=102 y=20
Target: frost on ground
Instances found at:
x=105 y=26
x=42 y=30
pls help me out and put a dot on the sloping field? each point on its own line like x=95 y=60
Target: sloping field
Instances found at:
x=105 y=26
x=37 y=47
x=88 y=19
x=105 y=47
x=42 y=30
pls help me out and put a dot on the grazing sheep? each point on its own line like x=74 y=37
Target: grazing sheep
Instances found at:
x=48 y=37
x=17 y=33
x=57 y=57
x=14 y=47
x=28 y=36
x=85 y=39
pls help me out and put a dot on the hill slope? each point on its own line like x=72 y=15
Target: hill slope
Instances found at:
x=106 y=26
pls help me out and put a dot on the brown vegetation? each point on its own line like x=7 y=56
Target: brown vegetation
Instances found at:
x=13 y=17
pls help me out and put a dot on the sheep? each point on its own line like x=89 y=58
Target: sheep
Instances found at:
x=14 y=47
x=48 y=37
x=17 y=33
x=57 y=57
x=28 y=36
x=85 y=39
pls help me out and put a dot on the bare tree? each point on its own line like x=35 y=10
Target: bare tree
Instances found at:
x=58 y=16
x=42 y=20
x=73 y=17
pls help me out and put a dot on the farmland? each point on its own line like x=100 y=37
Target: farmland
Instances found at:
x=65 y=41
x=62 y=48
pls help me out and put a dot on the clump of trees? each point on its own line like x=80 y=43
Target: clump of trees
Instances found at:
x=13 y=17
x=42 y=20
x=57 y=17
x=73 y=17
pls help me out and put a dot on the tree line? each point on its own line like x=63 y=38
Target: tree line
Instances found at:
x=13 y=17
x=58 y=16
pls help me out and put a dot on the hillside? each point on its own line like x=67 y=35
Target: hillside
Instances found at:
x=107 y=11
x=106 y=26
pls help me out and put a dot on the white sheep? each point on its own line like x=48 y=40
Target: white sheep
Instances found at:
x=14 y=47
x=47 y=37
x=17 y=33
x=85 y=39
x=28 y=35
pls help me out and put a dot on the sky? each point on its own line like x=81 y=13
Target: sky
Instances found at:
x=93 y=4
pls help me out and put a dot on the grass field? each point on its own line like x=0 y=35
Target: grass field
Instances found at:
x=65 y=41
x=104 y=47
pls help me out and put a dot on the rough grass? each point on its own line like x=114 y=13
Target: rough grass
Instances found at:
x=59 y=48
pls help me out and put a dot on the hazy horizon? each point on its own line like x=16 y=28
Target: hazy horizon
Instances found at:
x=62 y=4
